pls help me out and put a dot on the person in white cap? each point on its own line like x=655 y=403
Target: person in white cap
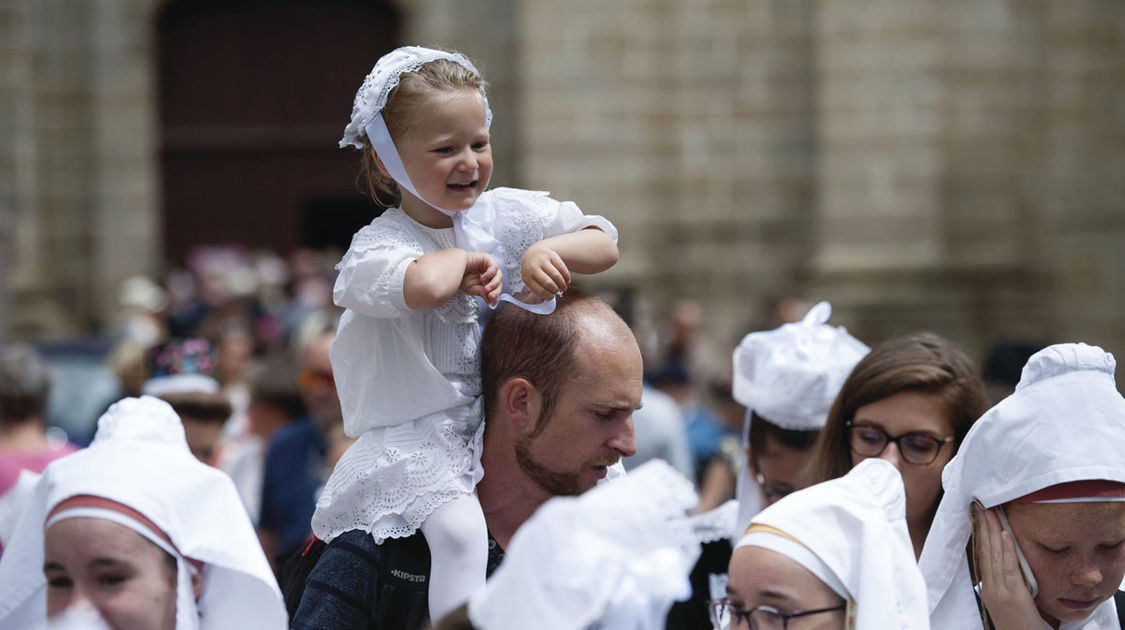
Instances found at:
x=910 y=401
x=137 y=530
x=836 y=555
x=787 y=379
x=406 y=360
x=1043 y=477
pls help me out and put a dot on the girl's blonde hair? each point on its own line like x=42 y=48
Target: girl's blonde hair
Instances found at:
x=404 y=102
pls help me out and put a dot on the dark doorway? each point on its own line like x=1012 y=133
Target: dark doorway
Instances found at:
x=254 y=96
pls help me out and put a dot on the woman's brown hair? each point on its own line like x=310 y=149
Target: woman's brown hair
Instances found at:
x=437 y=77
x=921 y=362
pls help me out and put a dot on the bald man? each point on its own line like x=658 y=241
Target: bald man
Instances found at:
x=559 y=395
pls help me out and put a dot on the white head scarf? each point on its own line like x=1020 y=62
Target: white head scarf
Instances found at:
x=471 y=227
x=614 y=557
x=1065 y=422
x=790 y=375
x=140 y=459
x=852 y=535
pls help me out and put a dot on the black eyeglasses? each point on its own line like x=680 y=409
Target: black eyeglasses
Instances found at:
x=920 y=449
x=727 y=616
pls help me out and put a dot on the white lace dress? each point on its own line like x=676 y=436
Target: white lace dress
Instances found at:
x=409 y=381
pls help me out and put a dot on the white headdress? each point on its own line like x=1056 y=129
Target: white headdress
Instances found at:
x=1065 y=422
x=471 y=227
x=614 y=557
x=139 y=459
x=790 y=375
x=851 y=533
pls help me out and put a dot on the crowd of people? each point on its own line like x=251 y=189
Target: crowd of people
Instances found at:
x=442 y=431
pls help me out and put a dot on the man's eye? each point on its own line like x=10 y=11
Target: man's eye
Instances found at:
x=59 y=582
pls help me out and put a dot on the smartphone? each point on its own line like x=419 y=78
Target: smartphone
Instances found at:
x=1028 y=576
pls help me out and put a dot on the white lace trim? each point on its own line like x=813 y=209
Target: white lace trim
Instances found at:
x=716 y=524
x=392 y=478
x=384 y=77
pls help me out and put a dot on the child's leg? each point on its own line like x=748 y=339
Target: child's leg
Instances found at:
x=458 y=540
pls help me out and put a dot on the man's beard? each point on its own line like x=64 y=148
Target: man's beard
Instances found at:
x=555 y=483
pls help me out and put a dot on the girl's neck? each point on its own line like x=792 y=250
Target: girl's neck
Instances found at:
x=423 y=213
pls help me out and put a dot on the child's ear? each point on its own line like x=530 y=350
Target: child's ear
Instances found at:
x=379 y=164
x=521 y=403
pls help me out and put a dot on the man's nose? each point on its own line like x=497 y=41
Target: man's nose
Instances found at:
x=624 y=441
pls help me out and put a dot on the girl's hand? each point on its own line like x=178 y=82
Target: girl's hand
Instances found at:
x=482 y=277
x=544 y=273
x=1003 y=591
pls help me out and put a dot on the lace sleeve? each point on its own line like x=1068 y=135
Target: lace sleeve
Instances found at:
x=525 y=217
x=373 y=271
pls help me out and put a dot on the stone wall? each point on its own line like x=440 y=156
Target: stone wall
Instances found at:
x=952 y=167
x=77 y=160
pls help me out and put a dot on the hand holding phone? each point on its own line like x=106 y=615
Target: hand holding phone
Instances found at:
x=1007 y=586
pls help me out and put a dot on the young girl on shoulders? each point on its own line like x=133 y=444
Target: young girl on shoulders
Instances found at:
x=406 y=359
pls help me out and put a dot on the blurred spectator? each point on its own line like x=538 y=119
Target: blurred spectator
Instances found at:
x=233 y=354
x=24 y=383
x=704 y=427
x=141 y=320
x=275 y=401
x=660 y=433
x=295 y=462
x=181 y=372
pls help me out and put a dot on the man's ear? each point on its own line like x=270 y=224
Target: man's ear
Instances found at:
x=379 y=164
x=521 y=403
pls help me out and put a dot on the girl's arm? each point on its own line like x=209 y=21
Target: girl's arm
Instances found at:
x=431 y=279
x=546 y=265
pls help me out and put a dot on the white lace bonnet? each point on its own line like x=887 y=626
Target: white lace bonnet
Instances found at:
x=384 y=77
x=790 y=376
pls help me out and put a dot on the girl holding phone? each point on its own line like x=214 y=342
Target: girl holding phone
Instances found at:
x=1037 y=494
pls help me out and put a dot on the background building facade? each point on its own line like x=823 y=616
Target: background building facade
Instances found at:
x=954 y=167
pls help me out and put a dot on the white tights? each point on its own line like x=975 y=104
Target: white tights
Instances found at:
x=458 y=540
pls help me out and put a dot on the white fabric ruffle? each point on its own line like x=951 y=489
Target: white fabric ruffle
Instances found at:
x=393 y=477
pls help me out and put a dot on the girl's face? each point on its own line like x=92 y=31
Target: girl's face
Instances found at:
x=447 y=155
x=129 y=580
x=1075 y=550
x=912 y=412
x=762 y=577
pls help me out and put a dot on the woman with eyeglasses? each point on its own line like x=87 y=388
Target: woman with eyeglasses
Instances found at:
x=910 y=401
x=834 y=556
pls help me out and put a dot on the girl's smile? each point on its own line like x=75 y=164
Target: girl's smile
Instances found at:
x=447 y=155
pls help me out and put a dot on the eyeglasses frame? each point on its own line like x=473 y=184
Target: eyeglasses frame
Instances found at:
x=739 y=613
x=896 y=439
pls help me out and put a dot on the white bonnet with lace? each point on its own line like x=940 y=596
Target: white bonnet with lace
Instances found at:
x=384 y=77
